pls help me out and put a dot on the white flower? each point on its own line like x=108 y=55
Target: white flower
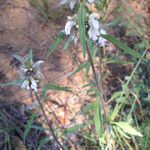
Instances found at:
x=37 y=64
x=34 y=85
x=101 y=40
x=25 y=85
x=94 y=26
x=94 y=23
x=71 y=30
x=72 y=4
x=94 y=15
x=102 y=31
x=62 y=2
x=69 y=26
x=95 y=30
x=91 y=1
x=22 y=72
x=93 y=34
x=30 y=84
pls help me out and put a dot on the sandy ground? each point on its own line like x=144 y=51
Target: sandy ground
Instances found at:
x=21 y=28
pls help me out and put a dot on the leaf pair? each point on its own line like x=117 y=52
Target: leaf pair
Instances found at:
x=126 y=128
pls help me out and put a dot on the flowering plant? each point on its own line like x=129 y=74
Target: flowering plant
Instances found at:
x=88 y=27
x=29 y=72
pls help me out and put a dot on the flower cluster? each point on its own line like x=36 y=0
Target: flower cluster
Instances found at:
x=93 y=28
x=72 y=3
x=29 y=72
x=71 y=28
x=96 y=30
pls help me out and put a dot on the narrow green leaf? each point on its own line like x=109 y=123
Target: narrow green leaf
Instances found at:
x=92 y=48
x=119 y=44
x=55 y=43
x=53 y=87
x=30 y=57
x=87 y=108
x=56 y=87
x=114 y=23
x=119 y=62
x=68 y=42
x=72 y=129
x=42 y=142
x=40 y=128
x=28 y=126
x=12 y=83
x=90 y=84
x=122 y=133
x=81 y=23
x=97 y=118
x=19 y=58
x=82 y=66
x=115 y=95
x=65 y=147
x=88 y=66
x=128 y=128
x=90 y=91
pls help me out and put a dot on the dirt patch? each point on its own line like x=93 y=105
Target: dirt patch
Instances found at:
x=21 y=28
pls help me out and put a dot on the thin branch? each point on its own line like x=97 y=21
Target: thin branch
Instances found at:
x=96 y=79
x=108 y=136
x=46 y=118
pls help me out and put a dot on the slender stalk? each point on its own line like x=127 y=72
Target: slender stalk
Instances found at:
x=101 y=97
x=46 y=118
x=101 y=54
x=96 y=79
x=119 y=138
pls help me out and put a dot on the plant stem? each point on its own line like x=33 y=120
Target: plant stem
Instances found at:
x=46 y=118
x=95 y=78
x=101 y=97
